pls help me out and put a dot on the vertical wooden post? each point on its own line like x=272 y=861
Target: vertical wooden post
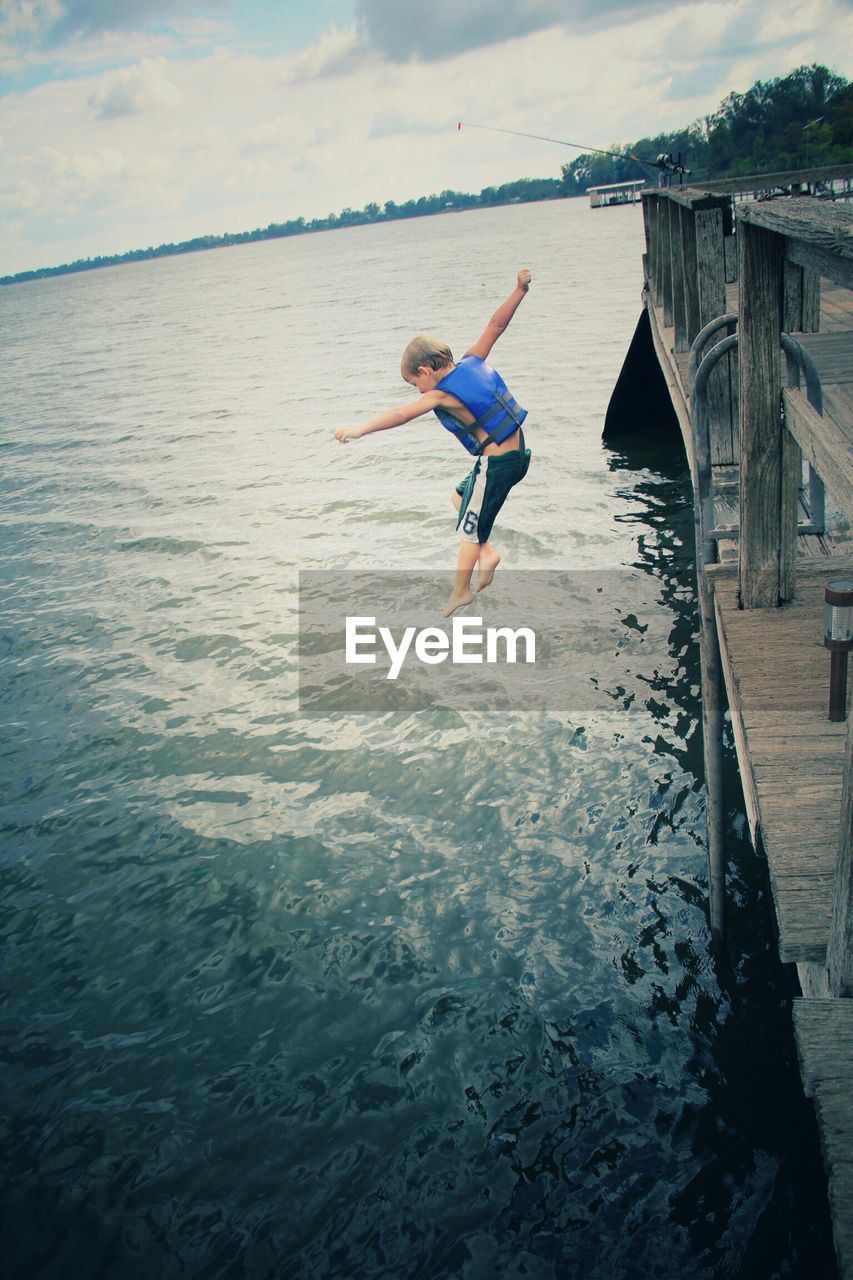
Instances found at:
x=648 y=256
x=691 y=274
x=734 y=395
x=729 y=242
x=811 y=301
x=801 y=303
x=789 y=498
x=712 y=744
x=679 y=309
x=666 y=258
x=839 y=955
x=792 y=298
x=711 y=672
x=711 y=279
x=768 y=530
x=657 y=270
x=709 y=264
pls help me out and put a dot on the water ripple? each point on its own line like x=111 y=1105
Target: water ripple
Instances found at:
x=422 y=995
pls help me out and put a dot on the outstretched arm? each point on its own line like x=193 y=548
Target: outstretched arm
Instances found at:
x=391 y=418
x=501 y=318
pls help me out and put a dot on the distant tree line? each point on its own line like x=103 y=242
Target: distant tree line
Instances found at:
x=797 y=121
x=522 y=190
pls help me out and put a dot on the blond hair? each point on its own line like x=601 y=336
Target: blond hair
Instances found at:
x=425 y=350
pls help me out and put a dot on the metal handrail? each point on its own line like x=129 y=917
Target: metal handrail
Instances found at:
x=795 y=350
x=700 y=341
x=702 y=438
x=797 y=359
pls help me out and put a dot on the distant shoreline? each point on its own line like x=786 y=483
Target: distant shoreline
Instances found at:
x=523 y=191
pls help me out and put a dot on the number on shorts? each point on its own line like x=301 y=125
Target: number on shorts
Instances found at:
x=469 y=524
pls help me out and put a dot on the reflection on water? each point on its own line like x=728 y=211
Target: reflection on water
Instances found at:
x=423 y=995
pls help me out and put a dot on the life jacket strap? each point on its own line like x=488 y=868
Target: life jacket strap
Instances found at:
x=507 y=407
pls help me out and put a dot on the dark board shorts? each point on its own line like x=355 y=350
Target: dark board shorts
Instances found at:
x=486 y=488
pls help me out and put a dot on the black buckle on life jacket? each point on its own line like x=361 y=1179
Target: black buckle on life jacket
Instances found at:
x=510 y=406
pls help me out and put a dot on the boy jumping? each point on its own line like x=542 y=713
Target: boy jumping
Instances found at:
x=471 y=400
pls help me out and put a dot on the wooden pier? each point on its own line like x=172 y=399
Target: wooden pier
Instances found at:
x=731 y=279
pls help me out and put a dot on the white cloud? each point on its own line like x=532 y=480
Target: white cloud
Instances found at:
x=135 y=89
x=278 y=135
x=28 y=19
x=337 y=51
x=87 y=17
x=170 y=148
x=405 y=29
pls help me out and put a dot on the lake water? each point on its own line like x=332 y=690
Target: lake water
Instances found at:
x=400 y=996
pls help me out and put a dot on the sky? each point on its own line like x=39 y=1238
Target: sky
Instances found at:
x=127 y=123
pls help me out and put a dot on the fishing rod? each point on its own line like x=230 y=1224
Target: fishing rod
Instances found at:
x=664 y=161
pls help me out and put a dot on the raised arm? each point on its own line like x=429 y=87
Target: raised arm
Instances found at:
x=391 y=417
x=501 y=318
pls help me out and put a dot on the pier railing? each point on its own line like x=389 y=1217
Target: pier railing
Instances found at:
x=752 y=428
x=783 y=248
x=687 y=233
x=727 y=284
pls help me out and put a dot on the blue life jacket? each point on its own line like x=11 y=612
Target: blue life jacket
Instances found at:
x=484 y=393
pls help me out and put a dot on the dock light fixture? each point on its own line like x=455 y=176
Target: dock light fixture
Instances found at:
x=838 y=638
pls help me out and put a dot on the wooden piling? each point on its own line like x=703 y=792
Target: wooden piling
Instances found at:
x=764 y=472
x=712 y=303
x=840 y=949
x=666 y=260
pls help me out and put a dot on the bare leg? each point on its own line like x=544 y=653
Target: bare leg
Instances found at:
x=462 y=594
x=486 y=565
x=488 y=559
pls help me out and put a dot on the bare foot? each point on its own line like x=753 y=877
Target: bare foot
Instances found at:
x=486 y=566
x=456 y=602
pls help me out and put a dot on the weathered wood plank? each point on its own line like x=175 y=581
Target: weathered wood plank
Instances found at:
x=822 y=262
x=824 y=446
x=824 y=1032
x=791 y=758
x=763 y=720
x=787 y=870
x=811 y=794
x=694 y=198
x=824 y=1035
x=801 y=301
x=779 y=178
x=818 y=234
x=710 y=272
x=659 y=241
x=782 y=762
x=811 y=301
x=832 y=353
x=789 y=831
x=679 y=309
x=791 y=469
x=766 y=529
x=667 y=217
x=840 y=950
x=813 y=861
x=738 y=729
x=792 y=298
x=692 y=319
x=663 y=352
x=803 y=913
x=779 y=743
